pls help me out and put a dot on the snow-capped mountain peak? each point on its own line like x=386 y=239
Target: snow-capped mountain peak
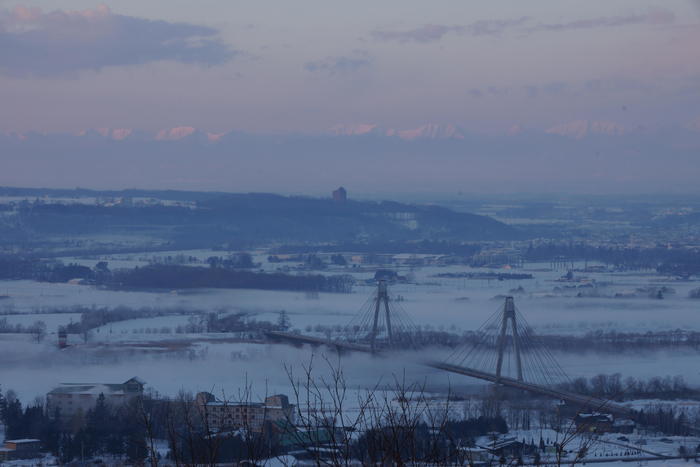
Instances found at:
x=354 y=129
x=427 y=131
x=582 y=128
x=172 y=134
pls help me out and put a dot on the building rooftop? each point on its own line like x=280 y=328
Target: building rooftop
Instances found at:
x=234 y=404
x=95 y=388
x=596 y=415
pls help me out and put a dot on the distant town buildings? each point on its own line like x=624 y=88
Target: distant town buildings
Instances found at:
x=226 y=415
x=340 y=195
x=73 y=398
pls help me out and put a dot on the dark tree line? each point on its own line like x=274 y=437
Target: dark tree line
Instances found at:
x=667 y=420
x=19 y=267
x=614 y=387
x=237 y=322
x=441 y=247
x=619 y=341
x=500 y=276
x=235 y=261
x=184 y=277
x=101 y=431
x=38 y=328
x=221 y=274
x=400 y=445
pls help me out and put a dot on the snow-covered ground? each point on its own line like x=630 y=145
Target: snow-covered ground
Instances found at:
x=439 y=302
x=609 y=445
x=170 y=362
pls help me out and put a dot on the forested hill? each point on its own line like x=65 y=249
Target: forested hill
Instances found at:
x=252 y=219
x=328 y=220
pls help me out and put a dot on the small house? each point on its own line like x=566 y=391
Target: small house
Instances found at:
x=594 y=422
x=20 y=449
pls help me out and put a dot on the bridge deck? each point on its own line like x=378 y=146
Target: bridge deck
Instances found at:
x=301 y=339
x=591 y=403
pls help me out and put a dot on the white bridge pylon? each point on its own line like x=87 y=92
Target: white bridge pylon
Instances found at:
x=509 y=316
x=506 y=346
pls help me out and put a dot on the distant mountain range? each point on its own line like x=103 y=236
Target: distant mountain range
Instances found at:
x=431 y=131
x=428 y=131
x=582 y=128
x=579 y=156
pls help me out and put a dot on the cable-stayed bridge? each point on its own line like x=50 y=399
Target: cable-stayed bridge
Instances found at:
x=381 y=324
x=506 y=346
x=505 y=350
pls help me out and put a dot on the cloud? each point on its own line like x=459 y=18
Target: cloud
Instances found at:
x=33 y=42
x=497 y=90
x=424 y=34
x=532 y=91
x=618 y=84
x=554 y=88
x=655 y=16
x=340 y=65
x=435 y=32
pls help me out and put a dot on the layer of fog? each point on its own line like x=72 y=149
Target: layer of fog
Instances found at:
x=32 y=369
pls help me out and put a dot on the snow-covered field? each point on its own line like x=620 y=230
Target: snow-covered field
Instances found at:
x=170 y=362
x=609 y=445
x=439 y=302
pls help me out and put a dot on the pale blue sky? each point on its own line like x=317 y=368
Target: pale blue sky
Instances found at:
x=308 y=65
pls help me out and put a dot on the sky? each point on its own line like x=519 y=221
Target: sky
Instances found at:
x=306 y=66
x=279 y=67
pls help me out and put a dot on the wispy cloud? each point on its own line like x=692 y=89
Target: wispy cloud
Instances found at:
x=340 y=64
x=554 y=88
x=435 y=32
x=33 y=42
x=655 y=16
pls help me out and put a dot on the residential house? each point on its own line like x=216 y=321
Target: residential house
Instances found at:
x=77 y=398
x=20 y=449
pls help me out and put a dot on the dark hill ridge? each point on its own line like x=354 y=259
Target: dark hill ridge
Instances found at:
x=260 y=219
x=316 y=219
